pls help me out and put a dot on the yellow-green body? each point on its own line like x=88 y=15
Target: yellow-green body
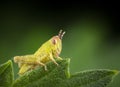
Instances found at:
x=47 y=52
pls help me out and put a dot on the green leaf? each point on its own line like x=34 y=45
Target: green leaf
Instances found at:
x=41 y=78
x=59 y=76
x=91 y=78
x=6 y=74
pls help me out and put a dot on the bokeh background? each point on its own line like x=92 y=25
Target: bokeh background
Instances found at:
x=92 y=39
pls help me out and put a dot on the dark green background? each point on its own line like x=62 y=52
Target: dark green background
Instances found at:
x=92 y=38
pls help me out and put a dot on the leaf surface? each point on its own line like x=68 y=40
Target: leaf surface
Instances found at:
x=91 y=78
x=41 y=78
x=59 y=76
x=6 y=74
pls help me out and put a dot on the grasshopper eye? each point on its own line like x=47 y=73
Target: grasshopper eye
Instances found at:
x=54 y=41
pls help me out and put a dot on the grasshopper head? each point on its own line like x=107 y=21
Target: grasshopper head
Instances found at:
x=57 y=43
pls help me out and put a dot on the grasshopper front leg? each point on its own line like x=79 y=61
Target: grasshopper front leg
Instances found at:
x=52 y=59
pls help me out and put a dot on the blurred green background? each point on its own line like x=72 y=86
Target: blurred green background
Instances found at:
x=92 y=39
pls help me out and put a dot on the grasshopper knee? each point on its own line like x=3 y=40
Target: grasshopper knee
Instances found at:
x=42 y=64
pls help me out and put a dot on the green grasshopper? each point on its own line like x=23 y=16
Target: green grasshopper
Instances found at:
x=47 y=52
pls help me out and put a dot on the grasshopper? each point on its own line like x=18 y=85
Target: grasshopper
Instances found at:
x=47 y=52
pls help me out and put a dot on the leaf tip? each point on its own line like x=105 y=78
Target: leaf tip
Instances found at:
x=68 y=60
x=116 y=72
x=9 y=61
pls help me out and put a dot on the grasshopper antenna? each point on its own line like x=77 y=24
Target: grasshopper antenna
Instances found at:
x=61 y=34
